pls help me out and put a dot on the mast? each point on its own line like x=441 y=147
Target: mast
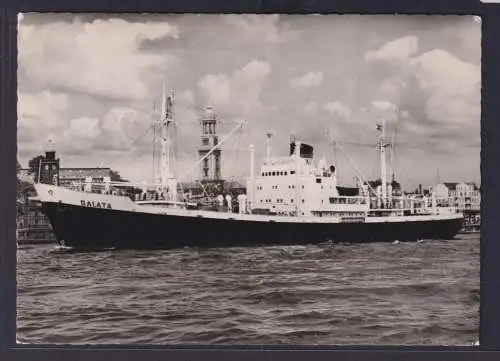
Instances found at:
x=156 y=122
x=382 y=145
x=252 y=176
x=334 y=149
x=392 y=164
x=167 y=181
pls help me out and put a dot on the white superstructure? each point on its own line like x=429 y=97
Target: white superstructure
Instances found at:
x=295 y=186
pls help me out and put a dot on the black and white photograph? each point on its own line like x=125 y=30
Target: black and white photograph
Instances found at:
x=243 y=179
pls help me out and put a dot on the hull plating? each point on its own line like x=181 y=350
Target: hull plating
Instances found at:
x=91 y=228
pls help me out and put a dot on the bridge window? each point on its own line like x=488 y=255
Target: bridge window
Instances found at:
x=292 y=172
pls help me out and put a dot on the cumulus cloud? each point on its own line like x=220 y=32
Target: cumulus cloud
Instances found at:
x=439 y=70
x=396 y=51
x=100 y=58
x=337 y=108
x=311 y=79
x=79 y=135
x=84 y=127
x=383 y=105
x=392 y=87
x=120 y=129
x=100 y=77
x=41 y=108
x=187 y=96
x=439 y=93
x=267 y=27
x=311 y=108
x=453 y=88
x=239 y=92
x=40 y=116
x=45 y=103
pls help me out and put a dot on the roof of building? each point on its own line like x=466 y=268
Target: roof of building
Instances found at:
x=71 y=173
x=474 y=186
x=77 y=173
x=451 y=185
x=233 y=184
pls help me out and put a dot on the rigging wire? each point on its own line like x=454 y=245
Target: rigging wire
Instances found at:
x=403 y=175
x=332 y=137
x=393 y=146
x=154 y=142
x=121 y=154
x=237 y=142
x=360 y=174
x=376 y=167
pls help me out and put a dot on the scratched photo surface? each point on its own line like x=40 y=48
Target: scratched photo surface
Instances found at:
x=248 y=179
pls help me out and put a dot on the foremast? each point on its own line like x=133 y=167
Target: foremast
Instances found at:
x=168 y=181
x=382 y=145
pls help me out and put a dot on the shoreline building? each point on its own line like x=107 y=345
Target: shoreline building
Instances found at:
x=466 y=196
x=33 y=227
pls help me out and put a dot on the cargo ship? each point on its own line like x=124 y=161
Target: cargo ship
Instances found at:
x=289 y=200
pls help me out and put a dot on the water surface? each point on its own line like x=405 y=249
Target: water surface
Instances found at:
x=373 y=294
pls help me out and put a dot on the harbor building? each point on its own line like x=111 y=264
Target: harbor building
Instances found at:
x=466 y=196
x=32 y=225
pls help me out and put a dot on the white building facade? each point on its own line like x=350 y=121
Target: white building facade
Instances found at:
x=464 y=196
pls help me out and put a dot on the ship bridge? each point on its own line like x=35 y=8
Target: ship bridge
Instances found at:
x=295 y=185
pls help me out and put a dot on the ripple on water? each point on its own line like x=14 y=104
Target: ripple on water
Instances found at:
x=387 y=294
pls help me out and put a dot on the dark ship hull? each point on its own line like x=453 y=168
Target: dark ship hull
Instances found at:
x=97 y=228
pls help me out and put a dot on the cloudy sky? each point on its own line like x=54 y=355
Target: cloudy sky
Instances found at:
x=89 y=84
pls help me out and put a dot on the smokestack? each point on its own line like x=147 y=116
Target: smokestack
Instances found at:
x=269 y=136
